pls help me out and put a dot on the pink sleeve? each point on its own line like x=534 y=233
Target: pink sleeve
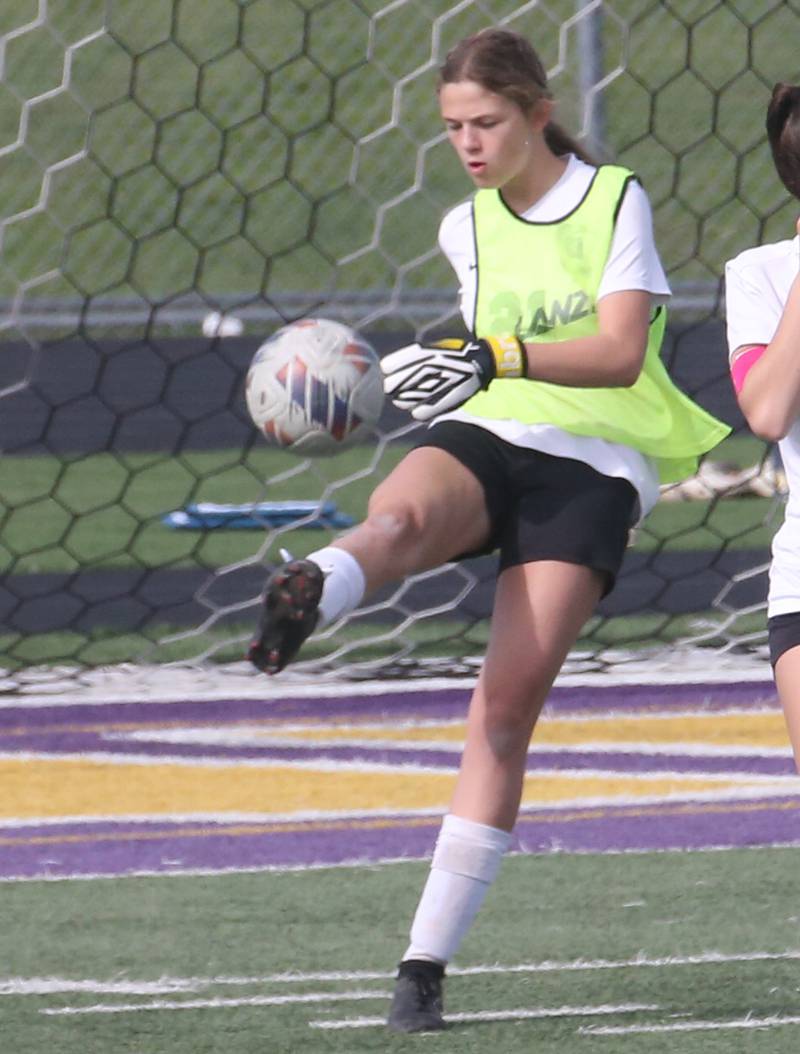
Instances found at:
x=743 y=363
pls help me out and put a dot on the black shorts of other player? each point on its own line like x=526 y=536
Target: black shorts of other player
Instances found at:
x=543 y=507
x=783 y=633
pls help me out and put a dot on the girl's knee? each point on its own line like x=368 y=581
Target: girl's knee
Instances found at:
x=508 y=724
x=396 y=522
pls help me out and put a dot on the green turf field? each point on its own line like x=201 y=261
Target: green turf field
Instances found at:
x=705 y=944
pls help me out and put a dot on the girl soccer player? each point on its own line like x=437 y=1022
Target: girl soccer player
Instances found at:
x=551 y=429
x=763 y=320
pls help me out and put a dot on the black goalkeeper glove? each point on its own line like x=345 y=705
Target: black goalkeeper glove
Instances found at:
x=430 y=379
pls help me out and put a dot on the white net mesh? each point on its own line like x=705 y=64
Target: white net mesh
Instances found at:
x=178 y=180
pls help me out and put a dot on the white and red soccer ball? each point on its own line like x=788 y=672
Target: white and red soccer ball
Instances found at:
x=314 y=387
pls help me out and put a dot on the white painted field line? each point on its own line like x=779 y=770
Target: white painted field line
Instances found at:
x=233 y=816
x=158 y=684
x=164 y=985
x=318 y=742
x=775 y=1021
x=166 y=684
x=178 y=872
x=60 y=986
x=523 y=1014
x=98 y=757
x=213 y=1004
x=704 y=959
x=775 y=784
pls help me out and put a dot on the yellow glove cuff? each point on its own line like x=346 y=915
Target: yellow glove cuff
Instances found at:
x=509 y=356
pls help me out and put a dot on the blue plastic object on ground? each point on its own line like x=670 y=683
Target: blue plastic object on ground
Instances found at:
x=208 y=515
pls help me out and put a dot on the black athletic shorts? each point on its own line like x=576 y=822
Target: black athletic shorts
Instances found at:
x=783 y=632
x=543 y=507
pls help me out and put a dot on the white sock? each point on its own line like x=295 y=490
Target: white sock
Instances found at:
x=344 y=583
x=465 y=863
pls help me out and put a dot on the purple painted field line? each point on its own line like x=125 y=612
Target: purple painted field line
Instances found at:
x=617 y=761
x=162 y=846
x=441 y=704
x=106 y=848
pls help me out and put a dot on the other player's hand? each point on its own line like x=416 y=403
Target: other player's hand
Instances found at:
x=430 y=379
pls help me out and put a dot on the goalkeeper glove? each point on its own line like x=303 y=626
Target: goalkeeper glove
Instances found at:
x=430 y=379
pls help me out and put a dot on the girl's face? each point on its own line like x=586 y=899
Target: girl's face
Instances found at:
x=495 y=141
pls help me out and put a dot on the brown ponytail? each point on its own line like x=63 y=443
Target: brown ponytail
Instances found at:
x=783 y=132
x=561 y=142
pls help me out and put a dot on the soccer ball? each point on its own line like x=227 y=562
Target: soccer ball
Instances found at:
x=314 y=387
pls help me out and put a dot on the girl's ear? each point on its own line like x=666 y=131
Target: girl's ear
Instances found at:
x=541 y=115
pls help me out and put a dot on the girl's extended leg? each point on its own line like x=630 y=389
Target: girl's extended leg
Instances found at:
x=430 y=509
x=427 y=511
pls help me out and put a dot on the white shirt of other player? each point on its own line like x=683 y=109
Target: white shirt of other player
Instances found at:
x=757 y=284
x=633 y=263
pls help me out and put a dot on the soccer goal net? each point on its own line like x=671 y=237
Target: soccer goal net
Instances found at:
x=179 y=179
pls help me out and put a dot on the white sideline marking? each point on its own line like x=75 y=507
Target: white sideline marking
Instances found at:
x=767 y=783
x=165 y=985
x=499 y=1015
x=165 y=682
x=59 y=985
x=223 y=872
x=641 y=960
x=227 y=818
x=775 y=1021
x=209 y=762
x=142 y=684
x=366 y=864
x=281 y=739
x=170 y=684
x=213 y=1004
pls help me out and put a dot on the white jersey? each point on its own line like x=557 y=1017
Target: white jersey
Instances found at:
x=633 y=263
x=757 y=284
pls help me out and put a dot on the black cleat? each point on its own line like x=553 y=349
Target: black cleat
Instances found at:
x=417 y=1002
x=288 y=616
